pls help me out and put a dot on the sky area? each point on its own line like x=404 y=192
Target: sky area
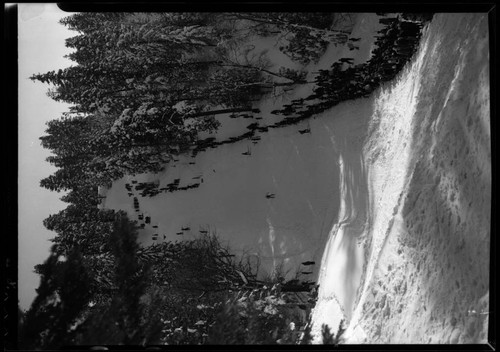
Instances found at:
x=40 y=49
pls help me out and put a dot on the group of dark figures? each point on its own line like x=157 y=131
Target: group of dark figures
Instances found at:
x=137 y=207
x=151 y=189
x=146 y=220
x=396 y=43
x=204 y=144
x=305 y=48
x=395 y=46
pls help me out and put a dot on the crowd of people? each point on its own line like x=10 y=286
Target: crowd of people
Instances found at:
x=395 y=45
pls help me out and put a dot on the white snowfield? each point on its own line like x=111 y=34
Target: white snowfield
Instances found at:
x=416 y=188
x=391 y=194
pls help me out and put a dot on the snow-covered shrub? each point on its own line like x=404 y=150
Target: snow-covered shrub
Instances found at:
x=294 y=75
x=263 y=317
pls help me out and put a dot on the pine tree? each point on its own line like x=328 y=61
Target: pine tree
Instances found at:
x=54 y=315
x=88 y=229
x=123 y=319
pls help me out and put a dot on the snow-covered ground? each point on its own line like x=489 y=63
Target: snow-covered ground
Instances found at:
x=391 y=194
x=423 y=215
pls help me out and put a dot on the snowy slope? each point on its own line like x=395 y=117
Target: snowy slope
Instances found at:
x=391 y=194
x=427 y=161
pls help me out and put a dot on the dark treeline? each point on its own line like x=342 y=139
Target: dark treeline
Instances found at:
x=144 y=86
x=141 y=90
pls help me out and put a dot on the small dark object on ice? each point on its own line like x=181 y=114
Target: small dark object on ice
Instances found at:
x=308 y=263
x=307 y=272
x=307 y=130
x=185 y=228
x=179 y=233
x=248 y=152
x=155 y=226
x=312 y=97
x=148 y=219
x=348 y=60
x=270 y=195
x=253 y=126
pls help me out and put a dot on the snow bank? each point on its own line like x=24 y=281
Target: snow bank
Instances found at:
x=427 y=167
